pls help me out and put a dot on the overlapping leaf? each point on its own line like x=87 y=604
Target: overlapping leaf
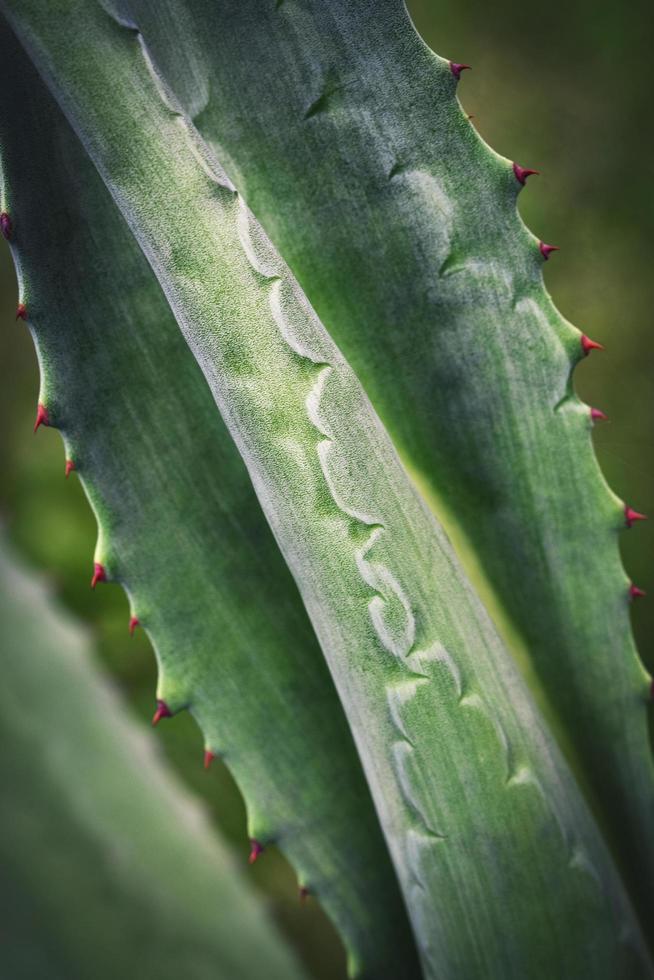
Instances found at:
x=109 y=869
x=344 y=135
x=180 y=527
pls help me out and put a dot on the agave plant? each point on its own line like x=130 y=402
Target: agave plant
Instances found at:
x=295 y=337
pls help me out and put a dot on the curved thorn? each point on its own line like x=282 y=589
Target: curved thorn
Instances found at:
x=208 y=758
x=6 y=226
x=42 y=417
x=21 y=312
x=69 y=467
x=303 y=893
x=133 y=623
x=457 y=68
x=99 y=574
x=256 y=849
x=521 y=173
x=631 y=515
x=587 y=345
x=163 y=711
x=546 y=250
x=635 y=592
x=597 y=415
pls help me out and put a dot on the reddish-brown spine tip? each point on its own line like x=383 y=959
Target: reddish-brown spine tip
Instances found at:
x=99 y=574
x=521 y=173
x=635 y=592
x=42 y=417
x=68 y=469
x=546 y=250
x=133 y=623
x=303 y=893
x=587 y=345
x=6 y=225
x=456 y=69
x=597 y=415
x=163 y=711
x=256 y=849
x=208 y=758
x=21 y=312
x=631 y=515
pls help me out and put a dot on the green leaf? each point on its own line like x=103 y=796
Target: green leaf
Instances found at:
x=180 y=528
x=109 y=868
x=343 y=132
x=472 y=792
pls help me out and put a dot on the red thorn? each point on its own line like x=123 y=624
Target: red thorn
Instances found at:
x=651 y=690
x=163 y=711
x=456 y=69
x=635 y=592
x=521 y=173
x=631 y=515
x=68 y=469
x=42 y=417
x=587 y=345
x=133 y=623
x=304 y=893
x=255 y=850
x=99 y=574
x=6 y=226
x=597 y=415
x=546 y=250
x=21 y=312
x=208 y=758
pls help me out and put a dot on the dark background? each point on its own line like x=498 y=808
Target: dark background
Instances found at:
x=565 y=89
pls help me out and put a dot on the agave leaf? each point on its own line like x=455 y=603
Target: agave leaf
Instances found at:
x=343 y=132
x=95 y=830
x=180 y=527
x=473 y=794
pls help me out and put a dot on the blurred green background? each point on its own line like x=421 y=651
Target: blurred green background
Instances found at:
x=563 y=89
